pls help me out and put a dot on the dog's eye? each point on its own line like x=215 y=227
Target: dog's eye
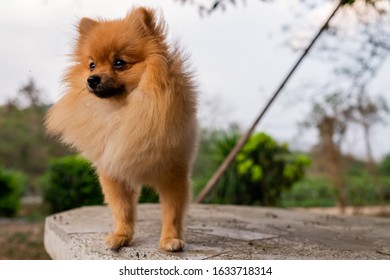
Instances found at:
x=92 y=66
x=119 y=63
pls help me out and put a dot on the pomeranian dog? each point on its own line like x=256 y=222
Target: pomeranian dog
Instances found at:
x=130 y=108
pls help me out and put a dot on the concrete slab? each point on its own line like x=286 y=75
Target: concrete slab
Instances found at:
x=223 y=232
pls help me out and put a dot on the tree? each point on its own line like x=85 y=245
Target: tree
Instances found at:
x=329 y=117
x=357 y=45
x=368 y=112
x=222 y=5
x=23 y=143
x=355 y=54
x=29 y=96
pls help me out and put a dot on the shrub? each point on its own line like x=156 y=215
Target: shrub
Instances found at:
x=70 y=182
x=386 y=188
x=310 y=192
x=205 y=164
x=384 y=166
x=218 y=146
x=12 y=185
x=148 y=195
x=260 y=172
x=362 y=191
x=318 y=192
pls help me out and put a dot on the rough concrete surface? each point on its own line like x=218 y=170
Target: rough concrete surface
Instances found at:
x=223 y=232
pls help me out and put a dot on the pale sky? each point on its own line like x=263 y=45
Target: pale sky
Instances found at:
x=240 y=57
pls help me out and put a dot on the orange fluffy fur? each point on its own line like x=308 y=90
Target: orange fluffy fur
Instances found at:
x=146 y=134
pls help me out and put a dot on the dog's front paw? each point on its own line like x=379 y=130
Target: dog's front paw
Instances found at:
x=115 y=241
x=172 y=245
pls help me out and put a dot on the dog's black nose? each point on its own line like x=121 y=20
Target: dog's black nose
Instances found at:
x=93 y=81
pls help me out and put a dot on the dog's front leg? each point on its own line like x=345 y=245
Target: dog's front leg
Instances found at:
x=174 y=199
x=122 y=200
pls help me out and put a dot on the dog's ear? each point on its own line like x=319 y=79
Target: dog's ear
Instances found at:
x=146 y=19
x=86 y=25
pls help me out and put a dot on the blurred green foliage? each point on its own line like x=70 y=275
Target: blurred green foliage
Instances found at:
x=70 y=182
x=385 y=181
x=265 y=172
x=268 y=168
x=310 y=192
x=148 y=195
x=12 y=186
x=317 y=191
x=384 y=166
x=23 y=144
x=261 y=171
